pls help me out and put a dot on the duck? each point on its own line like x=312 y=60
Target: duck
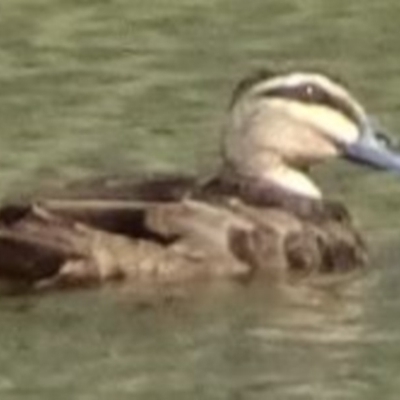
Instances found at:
x=259 y=216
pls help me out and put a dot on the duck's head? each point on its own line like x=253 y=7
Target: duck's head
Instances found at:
x=279 y=125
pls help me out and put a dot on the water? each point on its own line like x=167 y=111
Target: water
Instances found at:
x=92 y=88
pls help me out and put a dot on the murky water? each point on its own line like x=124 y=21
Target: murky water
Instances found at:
x=119 y=87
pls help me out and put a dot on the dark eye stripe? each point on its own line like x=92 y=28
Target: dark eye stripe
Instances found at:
x=312 y=94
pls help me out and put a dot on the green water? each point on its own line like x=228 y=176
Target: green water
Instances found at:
x=93 y=88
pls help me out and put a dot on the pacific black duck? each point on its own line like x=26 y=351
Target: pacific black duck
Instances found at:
x=260 y=215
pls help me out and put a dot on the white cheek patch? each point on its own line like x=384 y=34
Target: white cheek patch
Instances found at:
x=325 y=120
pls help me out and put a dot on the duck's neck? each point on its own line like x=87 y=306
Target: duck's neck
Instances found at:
x=282 y=187
x=291 y=181
x=271 y=169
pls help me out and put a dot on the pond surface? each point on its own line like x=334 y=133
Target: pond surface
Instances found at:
x=120 y=87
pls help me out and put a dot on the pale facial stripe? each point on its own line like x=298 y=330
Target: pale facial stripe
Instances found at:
x=325 y=120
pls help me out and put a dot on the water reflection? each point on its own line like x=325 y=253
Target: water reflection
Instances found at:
x=213 y=341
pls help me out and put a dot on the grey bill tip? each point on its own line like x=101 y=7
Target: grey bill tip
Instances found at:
x=375 y=150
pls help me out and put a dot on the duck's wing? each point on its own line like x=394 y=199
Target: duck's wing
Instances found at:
x=33 y=244
x=84 y=240
x=171 y=187
x=125 y=217
x=61 y=243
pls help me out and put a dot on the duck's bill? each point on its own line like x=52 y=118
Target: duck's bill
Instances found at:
x=374 y=150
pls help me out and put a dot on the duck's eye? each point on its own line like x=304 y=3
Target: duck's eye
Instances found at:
x=312 y=94
x=309 y=91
